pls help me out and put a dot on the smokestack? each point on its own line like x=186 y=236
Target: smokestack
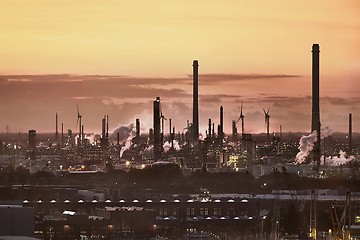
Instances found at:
x=56 y=129
x=170 y=128
x=195 y=102
x=209 y=126
x=118 y=138
x=221 y=129
x=103 y=134
x=157 y=134
x=280 y=133
x=315 y=123
x=62 y=134
x=151 y=136
x=137 y=129
x=32 y=144
x=107 y=127
x=350 y=134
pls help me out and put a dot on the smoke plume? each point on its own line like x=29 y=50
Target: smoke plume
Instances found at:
x=338 y=160
x=126 y=134
x=124 y=131
x=306 y=144
x=325 y=132
x=167 y=146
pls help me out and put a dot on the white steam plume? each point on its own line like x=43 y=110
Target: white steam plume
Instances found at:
x=167 y=146
x=325 y=132
x=338 y=160
x=306 y=144
x=129 y=133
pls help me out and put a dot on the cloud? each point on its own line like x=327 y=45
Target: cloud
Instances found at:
x=208 y=79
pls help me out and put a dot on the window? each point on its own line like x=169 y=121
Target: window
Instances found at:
x=190 y=211
x=217 y=211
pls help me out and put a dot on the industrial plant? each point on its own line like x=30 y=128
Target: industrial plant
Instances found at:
x=176 y=182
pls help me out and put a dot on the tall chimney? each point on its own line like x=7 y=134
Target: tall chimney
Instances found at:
x=315 y=123
x=221 y=129
x=107 y=127
x=62 y=134
x=103 y=133
x=56 y=129
x=209 y=131
x=157 y=134
x=350 y=134
x=137 y=129
x=195 y=102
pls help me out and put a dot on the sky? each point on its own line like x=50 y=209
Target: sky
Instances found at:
x=114 y=57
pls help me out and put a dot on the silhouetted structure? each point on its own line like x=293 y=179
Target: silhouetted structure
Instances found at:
x=137 y=136
x=157 y=134
x=32 y=145
x=234 y=131
x=79 y=117
x=242 y=119
x=209 y=129
x=62 y=134
x=221 y=126
x=195 y=126
x=350 y=134
x=267 y=123
x=56 y=128
x=315 y=123
x=247 y=144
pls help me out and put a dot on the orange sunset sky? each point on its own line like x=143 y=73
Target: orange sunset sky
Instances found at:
x=114 y=57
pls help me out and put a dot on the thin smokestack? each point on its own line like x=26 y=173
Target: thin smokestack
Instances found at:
x=280 y=132
x=118 y=138
x=350 y=134
x=62 y=134
x=157 y=133
x=315 y=123
x=56 y=129
x=195 y=102
x=107 y=126
x=103 y=124
x=221 y=129
x=137 y=129
x=209 y=126
x=170 y=128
